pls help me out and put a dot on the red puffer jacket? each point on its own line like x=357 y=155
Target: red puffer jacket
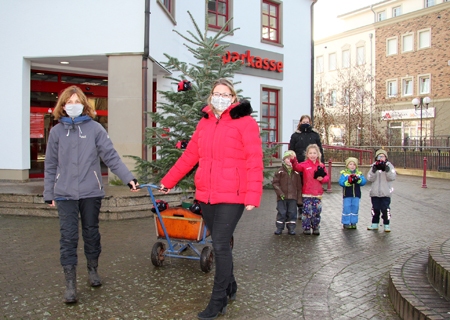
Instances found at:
x=311 y=186
x=228 y=151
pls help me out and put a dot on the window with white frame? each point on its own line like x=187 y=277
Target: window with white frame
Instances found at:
x=407 y=87
x=391 y=88
x=396 y=11
x=360 y=56
x=424 y=37
x=332 y=61
x=346 y=59
x=381 y=15
x=429 y=3
x=424 y=84
x=333 y=98
x=346 y=97
x=319 y=99
x=319 y=64
x=391 y=46
x=407 y=42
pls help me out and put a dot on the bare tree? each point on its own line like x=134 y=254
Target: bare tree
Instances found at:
x=346 y=102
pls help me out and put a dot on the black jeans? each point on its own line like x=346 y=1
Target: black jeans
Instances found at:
x=380 y=205
x=221 y=220
x=89 y=210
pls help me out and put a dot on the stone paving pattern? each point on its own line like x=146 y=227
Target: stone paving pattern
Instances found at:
x=341 y=274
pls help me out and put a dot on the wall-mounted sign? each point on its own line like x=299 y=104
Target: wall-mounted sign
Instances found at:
x=256 y=62
x=407 y=114
x=36 y=125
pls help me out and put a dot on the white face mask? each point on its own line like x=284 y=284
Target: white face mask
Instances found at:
x=220 y=103
x=74 y=110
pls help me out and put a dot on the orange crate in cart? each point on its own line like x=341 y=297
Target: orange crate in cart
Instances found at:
x=180 y=223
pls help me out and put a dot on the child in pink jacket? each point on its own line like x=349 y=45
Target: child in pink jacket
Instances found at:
x=314 y=175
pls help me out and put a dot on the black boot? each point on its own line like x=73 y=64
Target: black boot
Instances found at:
x=231 y=291
x=70 y=273
x=214 y=309
x=94 y=278
x=291 y=228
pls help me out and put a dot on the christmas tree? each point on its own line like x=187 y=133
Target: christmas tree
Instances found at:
x=180 y=110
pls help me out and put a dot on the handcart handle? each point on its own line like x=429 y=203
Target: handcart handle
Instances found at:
x=148 y=185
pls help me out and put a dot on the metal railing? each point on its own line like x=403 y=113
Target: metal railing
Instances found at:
x=407 y=157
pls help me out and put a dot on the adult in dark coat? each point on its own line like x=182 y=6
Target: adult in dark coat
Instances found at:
x=303 y=137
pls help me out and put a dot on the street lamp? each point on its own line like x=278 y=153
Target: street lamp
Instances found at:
x=419 y=103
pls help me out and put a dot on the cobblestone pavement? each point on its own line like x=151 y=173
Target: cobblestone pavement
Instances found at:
x=341 y=274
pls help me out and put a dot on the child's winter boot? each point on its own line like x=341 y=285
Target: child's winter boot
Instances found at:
x=347 y=226
x=373 y=226
x=387 y=228
x=291 y=229
x=278 y=231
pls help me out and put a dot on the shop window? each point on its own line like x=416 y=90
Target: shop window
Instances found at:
x=269 y=114
x=271 y=21
x=218 y=14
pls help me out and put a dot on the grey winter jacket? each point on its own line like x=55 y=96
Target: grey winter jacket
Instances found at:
x=381 y=181
x=72 y=160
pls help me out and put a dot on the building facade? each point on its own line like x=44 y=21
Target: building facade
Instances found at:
x=396 y=50
x=114 y=50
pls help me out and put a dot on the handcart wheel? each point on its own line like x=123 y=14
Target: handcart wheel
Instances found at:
x=232 y=242
x=158 y=254
x=206 y=259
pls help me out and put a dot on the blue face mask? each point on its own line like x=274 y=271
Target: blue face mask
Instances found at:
x=73 y=110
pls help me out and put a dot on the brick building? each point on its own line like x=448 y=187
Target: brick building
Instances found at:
x=401 y=50
x=413 y=61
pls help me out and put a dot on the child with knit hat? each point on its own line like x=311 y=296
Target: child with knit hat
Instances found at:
x=381 y=174
x=288 y=187
x=351 y=181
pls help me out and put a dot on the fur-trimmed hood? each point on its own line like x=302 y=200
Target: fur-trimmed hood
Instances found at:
x=236 y=110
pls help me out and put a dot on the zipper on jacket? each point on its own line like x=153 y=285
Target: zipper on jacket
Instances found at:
x=210 y=168
x=98 y=181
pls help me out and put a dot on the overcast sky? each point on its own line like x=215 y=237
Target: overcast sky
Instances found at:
x=326 y=11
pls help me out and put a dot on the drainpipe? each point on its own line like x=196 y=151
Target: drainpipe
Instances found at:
x=312 y=61
x=145 y=57
x=374 y=14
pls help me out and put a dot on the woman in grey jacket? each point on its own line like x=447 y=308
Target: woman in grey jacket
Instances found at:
x=381 y=174
x=73 y=180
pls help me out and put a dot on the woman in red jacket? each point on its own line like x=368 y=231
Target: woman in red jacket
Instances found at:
x=227 y=147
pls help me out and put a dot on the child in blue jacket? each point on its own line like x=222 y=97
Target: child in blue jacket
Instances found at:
x=351 y=181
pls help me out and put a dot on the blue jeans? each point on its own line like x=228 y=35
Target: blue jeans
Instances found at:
x=221 y=220
x=89 y=210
